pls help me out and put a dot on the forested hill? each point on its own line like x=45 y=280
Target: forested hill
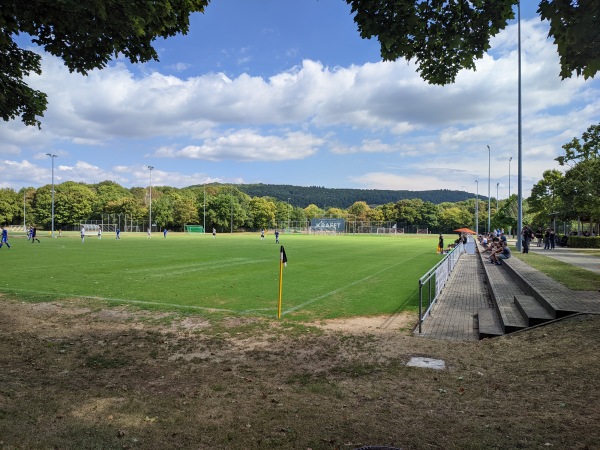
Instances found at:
x=343 y=198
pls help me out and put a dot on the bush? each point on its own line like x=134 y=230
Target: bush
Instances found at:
x=584 y=242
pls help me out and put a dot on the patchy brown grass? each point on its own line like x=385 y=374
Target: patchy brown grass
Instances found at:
x=79 y=377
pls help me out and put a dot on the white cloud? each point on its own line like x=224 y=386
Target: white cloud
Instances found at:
x=366 y=146
x=248 y=145
x=180 y=67
x=17 y=174
x=417 y=182
x=385 y=96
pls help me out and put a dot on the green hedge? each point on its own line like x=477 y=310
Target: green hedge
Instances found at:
x=583 y=242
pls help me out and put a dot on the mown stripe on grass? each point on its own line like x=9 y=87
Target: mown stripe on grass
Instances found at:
x=200 y=267
x=354 y=283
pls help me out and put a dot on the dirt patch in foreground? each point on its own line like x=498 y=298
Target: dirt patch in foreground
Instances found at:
x=79 y=377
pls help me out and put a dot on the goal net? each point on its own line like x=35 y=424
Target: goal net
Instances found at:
x=193 y=228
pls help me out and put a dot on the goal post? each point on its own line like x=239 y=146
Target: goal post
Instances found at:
x=190 y=229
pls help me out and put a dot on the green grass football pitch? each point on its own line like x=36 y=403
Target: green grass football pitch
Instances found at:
x=326 y=276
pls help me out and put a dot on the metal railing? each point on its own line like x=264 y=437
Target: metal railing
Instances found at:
x=441 y=271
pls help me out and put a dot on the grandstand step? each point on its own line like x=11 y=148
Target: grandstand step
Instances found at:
x=489 y=323
x=533 y=312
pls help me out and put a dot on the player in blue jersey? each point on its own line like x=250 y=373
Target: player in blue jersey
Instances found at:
x=33 y=235
x=4 y=239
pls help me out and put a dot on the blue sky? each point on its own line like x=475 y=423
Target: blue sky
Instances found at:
x=286 y=92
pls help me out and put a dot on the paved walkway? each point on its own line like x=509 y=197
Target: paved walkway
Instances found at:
x=453 y=316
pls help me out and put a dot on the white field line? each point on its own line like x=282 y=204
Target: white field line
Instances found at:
x=202 y=267
x=171 y=270
x=354 y=283
x=94 y=263
x=182 y=266
x=124 y=300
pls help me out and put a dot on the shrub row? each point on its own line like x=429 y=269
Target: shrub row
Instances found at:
x=584 y=242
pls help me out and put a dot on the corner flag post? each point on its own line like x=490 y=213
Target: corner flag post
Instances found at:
x=282 y=262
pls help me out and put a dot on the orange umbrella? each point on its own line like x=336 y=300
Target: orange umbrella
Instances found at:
x=465 y=230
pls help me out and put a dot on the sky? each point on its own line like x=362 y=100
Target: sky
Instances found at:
x=286 y=92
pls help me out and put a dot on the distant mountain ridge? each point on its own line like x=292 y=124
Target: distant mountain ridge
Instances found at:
x=302 y=196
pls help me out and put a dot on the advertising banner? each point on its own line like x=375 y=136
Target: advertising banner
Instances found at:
x=337 y=225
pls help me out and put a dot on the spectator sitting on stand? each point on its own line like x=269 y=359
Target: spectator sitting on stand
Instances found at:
x=495 y=252
x=490 y=248
x=504 y=253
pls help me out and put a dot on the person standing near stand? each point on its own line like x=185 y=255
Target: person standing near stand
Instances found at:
x=547 y=239
x=539 y=235
x=526 y=235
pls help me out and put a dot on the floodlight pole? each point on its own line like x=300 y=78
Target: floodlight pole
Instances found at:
x=231 y=209
x=288 y=215
x=497 y=185
x=204 y=207
x=509 y=160
x=150 y=168
x=477 y=210
x=489 y=228
x=52 y=156
x=24 y=220
x=519 y=133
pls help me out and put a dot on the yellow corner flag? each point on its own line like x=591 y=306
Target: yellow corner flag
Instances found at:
x=282 y=262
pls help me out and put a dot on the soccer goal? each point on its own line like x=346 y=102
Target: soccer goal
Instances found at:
x=386 y=230
x=193 y=229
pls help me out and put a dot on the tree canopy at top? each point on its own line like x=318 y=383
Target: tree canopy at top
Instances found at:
x=85 y=34
x=443 y=36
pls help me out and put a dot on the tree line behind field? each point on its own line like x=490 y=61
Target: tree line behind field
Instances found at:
x=235 y=206
x=344 y=198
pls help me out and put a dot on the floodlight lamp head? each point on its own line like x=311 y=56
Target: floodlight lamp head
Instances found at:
x=150 y=167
